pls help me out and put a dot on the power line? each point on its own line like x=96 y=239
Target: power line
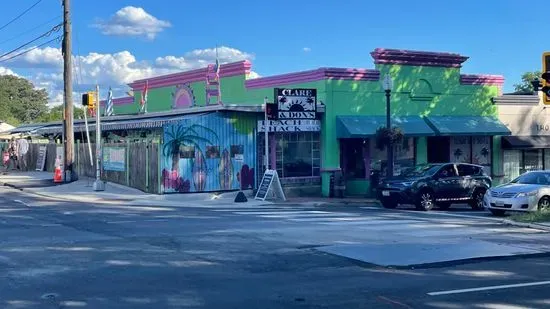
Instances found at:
x=28 y=50
x=54 y=29
x=29 y=30
x=20 y=15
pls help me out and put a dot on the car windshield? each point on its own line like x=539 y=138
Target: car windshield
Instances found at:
x=421 y=170
x=533 y=178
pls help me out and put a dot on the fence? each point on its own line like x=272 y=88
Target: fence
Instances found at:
x=133 y=164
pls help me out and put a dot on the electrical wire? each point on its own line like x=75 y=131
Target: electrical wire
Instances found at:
x=29 y=30
x=54 y=29
x=20 y=15
x=31 y=49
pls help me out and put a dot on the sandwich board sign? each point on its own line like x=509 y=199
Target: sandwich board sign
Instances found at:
x=270 y=187
x=41 y=160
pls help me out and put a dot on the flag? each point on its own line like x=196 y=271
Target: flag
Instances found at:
x=217 y=67
x=109 y=105
x=143 y=100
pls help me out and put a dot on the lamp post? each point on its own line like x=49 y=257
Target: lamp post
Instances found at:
x=387 y=84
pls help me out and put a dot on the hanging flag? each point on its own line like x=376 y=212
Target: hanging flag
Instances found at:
x=109 y=106
x=143 y=100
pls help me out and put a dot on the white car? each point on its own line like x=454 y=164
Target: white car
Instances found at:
x=528 y=192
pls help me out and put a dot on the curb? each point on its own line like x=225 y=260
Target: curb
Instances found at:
x=527 y=225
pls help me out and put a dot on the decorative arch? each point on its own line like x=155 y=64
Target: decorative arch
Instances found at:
x=422 y=90
x=183 y=97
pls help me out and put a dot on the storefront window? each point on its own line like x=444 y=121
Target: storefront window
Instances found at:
x=532 y=160
x=471 y=149
x=403 y=157
x=298 y=154
x=517 y=162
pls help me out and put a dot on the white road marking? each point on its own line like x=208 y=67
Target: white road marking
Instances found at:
x=21 y=202
x=487 y=288
x=156 y=220
x=118 y=222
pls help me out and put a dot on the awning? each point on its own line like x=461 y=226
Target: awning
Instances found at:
x=467 y=125
x=525 y=142
x=25 y=129
x=365 y=126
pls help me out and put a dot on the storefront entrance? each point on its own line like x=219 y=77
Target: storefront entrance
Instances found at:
x=438 y=149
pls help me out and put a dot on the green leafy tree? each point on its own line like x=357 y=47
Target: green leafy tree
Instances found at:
x=526 y=79
x=20 y=101
x=56 y=114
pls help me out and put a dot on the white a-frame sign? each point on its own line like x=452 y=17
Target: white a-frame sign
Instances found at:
x=270 y=187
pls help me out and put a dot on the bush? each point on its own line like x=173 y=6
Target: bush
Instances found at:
x=385 y=136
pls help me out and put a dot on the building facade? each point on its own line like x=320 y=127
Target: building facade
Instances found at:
x=528 y=146
x=445 y=116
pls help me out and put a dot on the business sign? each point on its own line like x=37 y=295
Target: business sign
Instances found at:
x=114 y=159
x=296 y=103
x=303 y=125
x=270 y=187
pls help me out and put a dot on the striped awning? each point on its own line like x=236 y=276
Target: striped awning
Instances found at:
x=113 y=125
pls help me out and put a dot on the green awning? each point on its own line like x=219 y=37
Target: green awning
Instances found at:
x=467 y=125
x=365 y=126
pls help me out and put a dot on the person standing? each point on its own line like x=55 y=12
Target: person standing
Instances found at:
x=22 y=150
x=12 y=151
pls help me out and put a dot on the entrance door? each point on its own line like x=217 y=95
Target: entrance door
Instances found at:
x=439 y=149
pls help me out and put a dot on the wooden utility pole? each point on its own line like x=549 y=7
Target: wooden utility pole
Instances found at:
x=70 y=174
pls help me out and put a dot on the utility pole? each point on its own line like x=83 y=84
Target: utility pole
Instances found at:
x=68 y=143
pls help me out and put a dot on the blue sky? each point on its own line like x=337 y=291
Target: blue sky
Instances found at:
x=498 y=36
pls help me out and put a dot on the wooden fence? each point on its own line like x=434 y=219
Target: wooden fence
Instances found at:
x=139 y=168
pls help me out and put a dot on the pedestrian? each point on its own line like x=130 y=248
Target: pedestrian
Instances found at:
x=12 y=151
x=22 y=149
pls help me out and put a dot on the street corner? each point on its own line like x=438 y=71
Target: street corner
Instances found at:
x=419 y=254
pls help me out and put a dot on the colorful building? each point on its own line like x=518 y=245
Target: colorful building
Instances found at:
x=445 y=116
x=528 y=148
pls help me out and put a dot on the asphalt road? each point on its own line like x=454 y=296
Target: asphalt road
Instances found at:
x=68 y=255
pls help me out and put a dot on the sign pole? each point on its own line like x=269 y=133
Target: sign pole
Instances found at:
x=266 y=132
x=98 y=184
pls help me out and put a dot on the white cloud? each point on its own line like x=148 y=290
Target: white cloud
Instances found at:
x=201 y=57
x=44 y=68
x=306 y=49
x=132 y=21
x=6 y=71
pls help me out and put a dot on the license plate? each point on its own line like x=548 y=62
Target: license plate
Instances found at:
x=386 y=193
x=499 y=203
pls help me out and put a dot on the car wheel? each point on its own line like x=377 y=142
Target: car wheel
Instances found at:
x=443 y=205
x=425 y=200
x=544 y=204
x=498 y=212
x=477 y=199
x=388 y=204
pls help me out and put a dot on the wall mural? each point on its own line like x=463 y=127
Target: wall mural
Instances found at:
x=183 y=97
x=209 y=152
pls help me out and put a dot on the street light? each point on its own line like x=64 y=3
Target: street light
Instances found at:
x=387 y=84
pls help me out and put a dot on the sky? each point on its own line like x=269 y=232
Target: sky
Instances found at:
x=118 y=41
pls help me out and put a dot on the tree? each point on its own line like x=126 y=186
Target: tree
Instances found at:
x=20 y=101
x=526 y=78
x=56 y=114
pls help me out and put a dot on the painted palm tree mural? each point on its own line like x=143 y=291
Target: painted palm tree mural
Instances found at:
x=184 y=142
x=209 y=152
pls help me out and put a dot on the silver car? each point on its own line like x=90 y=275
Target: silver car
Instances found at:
x=528 y=192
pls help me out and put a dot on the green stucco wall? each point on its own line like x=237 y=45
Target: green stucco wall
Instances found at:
x=421 y=150
x=417 y=91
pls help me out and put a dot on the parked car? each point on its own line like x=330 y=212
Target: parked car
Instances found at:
x=528 y=192
x=441 y=184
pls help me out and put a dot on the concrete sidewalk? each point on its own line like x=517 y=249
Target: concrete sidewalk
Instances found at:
x=41 y=183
